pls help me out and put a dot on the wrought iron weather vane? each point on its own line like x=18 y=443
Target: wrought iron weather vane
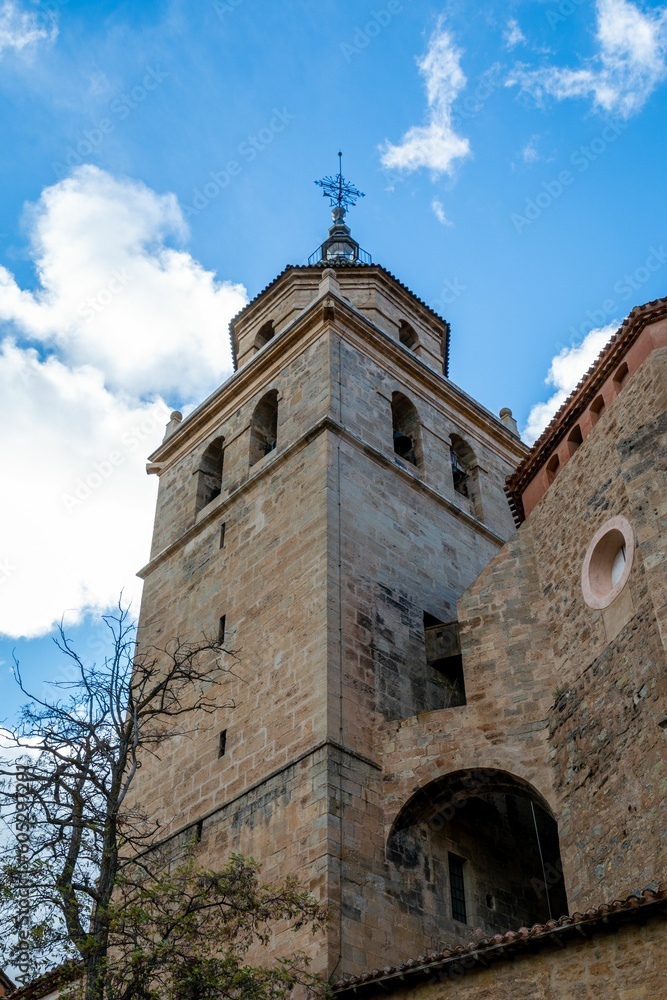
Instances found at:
x=341 y=194
x=339 y=247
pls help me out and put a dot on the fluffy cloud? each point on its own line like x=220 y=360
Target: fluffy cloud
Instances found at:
x=120 y=318
x=115 y=295
x=630 y=63
x=565 y=372
x=19 y=28
x=436 y=145
x=77 y=503
x=513 y=35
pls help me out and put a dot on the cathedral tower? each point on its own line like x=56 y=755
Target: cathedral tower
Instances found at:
x=324 y=509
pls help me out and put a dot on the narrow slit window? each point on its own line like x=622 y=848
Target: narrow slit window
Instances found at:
x=457 y=888
x=221 y=629
x=222 y=535
x=222 y=743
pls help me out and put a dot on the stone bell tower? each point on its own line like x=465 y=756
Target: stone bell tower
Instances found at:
x=323 y=509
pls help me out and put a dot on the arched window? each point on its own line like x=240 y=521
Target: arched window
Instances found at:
x=264 y=427
x=480 y=847
x=463 y=461
x=408 y=336
x=553 y=467
x=406 y=428
x=621 y=376
x=264 y=335
x=575 y=439
x=465 y=474
x=597 y=408
x=209 y=473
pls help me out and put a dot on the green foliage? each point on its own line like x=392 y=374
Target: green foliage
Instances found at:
x=182 y=932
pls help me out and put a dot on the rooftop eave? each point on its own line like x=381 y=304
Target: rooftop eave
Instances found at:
x=352 y=265
x=582 y=395
x=466 y=959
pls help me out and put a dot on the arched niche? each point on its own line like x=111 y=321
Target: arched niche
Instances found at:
x=480 y=846
x=264 y=427
x=408 y=336
x=265 y=333
x=465 y=473
x=209 y=473
x=406 y=429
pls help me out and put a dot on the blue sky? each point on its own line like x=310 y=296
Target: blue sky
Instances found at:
x=158 y=162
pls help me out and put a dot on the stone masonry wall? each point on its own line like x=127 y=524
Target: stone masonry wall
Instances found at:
x=333 y=550
x=628 y=965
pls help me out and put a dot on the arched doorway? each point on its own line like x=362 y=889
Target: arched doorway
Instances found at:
x=480 y=849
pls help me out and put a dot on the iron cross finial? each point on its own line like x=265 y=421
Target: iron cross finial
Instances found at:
x=341 y=194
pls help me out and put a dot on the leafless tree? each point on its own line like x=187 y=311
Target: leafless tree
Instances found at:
x=85 y=841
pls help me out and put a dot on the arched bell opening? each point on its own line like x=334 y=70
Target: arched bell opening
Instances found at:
x=209 y=473
x=265 y=334
x=406 y=428
x=264 y=427
x=480 y=849
x=465 y=473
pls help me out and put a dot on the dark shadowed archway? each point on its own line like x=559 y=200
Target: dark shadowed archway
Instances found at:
x=480 y=848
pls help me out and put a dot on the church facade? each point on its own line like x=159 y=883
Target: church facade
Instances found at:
x=449 y=728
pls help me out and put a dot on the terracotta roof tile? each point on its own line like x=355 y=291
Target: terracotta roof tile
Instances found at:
x=48 y=983
x=500 y=946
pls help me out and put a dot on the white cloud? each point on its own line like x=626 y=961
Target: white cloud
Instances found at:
x=77 y=505
x=529 y=153
x=435 y=145
x=630 y=63
x=513 y=35
x=114 y=294
x=439 y=212
x=20 y=28
x=565 y=372
x=119 y=319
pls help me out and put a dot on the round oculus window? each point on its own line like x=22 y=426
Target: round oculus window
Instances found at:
x=607 y=563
